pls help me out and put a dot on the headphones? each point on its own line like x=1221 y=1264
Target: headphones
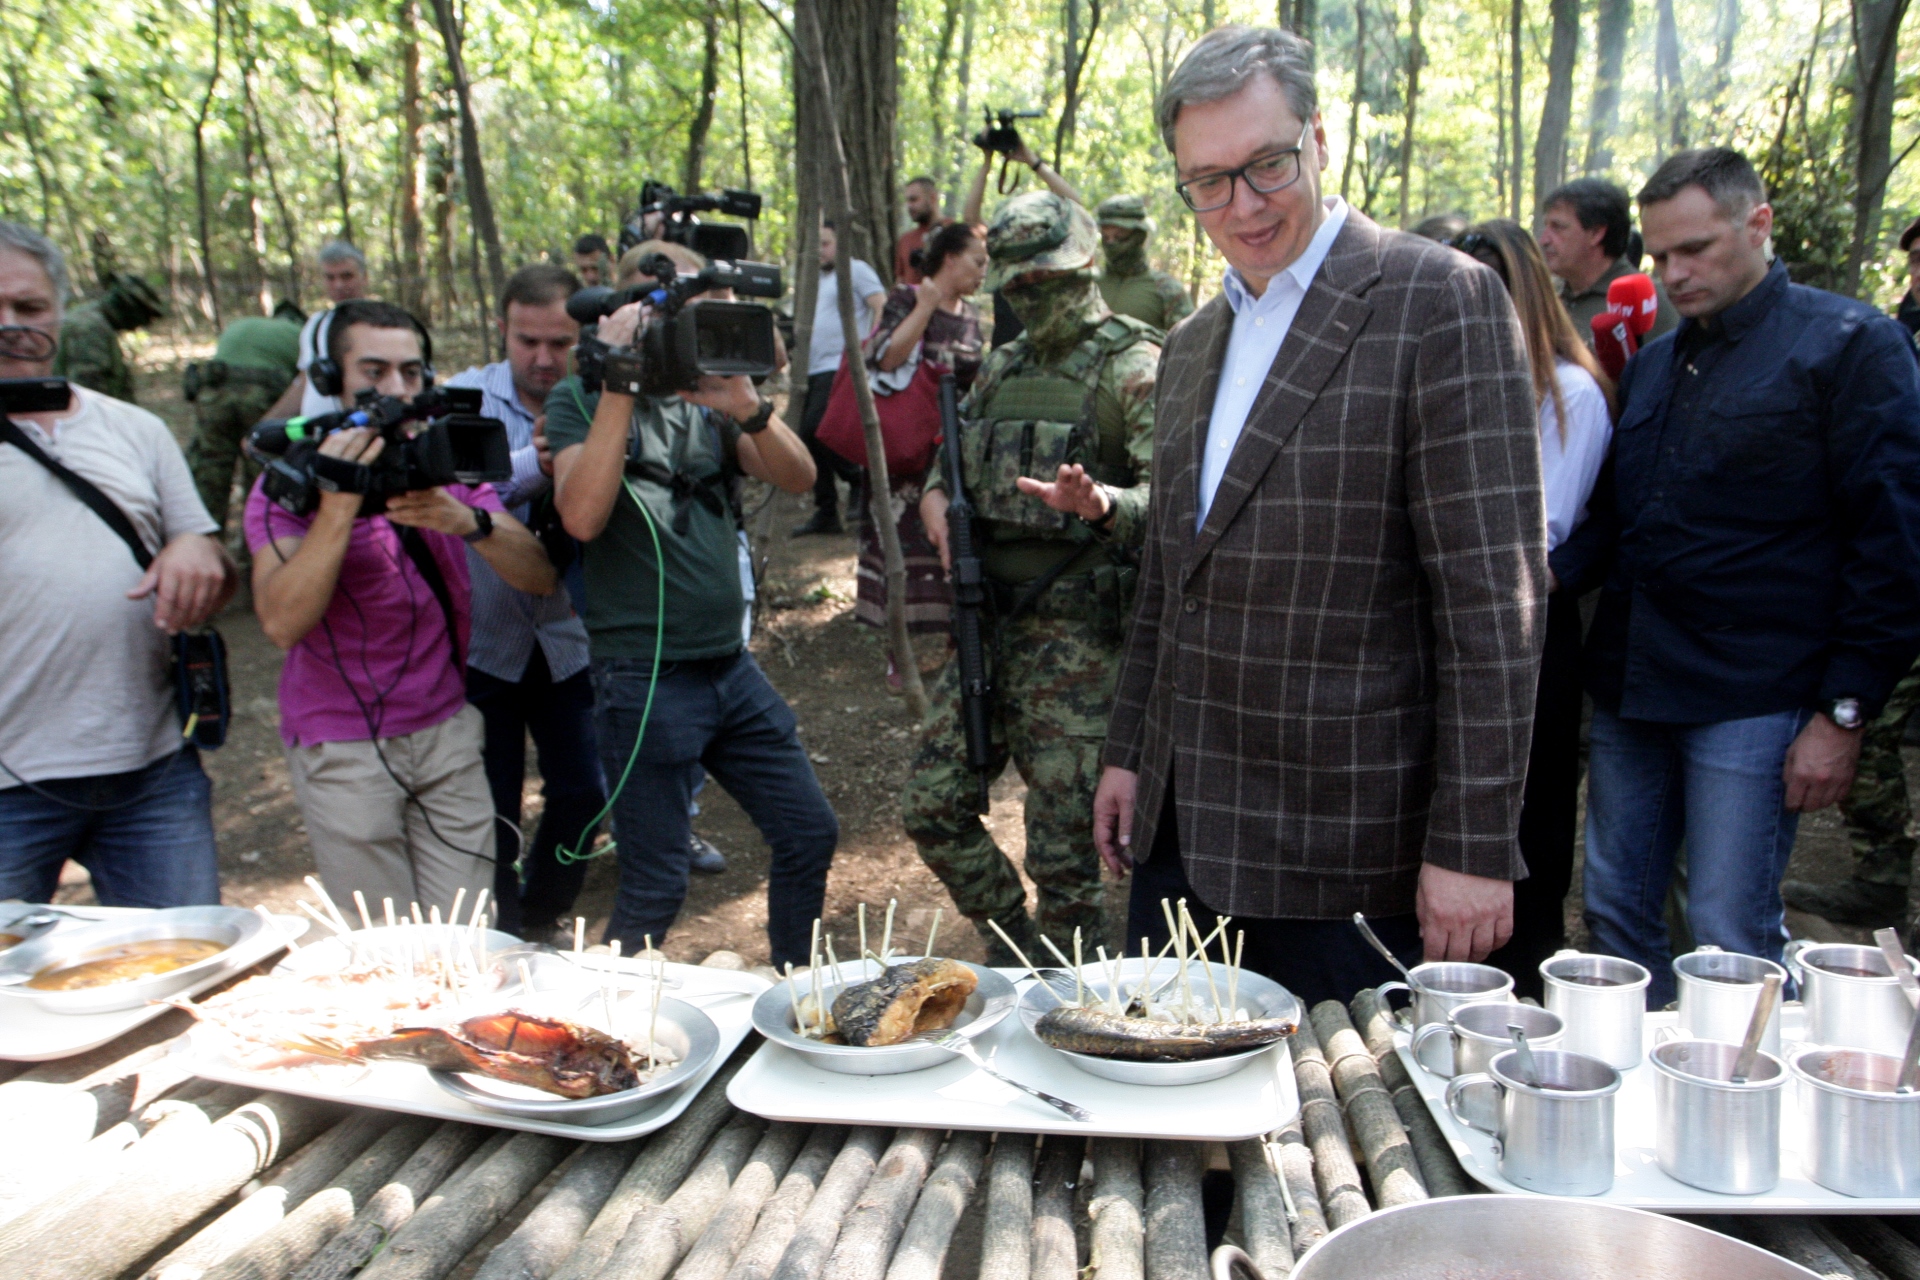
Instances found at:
x=324 y=374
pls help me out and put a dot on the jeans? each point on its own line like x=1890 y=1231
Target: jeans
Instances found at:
x=155 y=852
x=1719 y=788
x=539 y=892
x=720 y=714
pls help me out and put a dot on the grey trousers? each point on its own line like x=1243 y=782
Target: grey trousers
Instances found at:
x=367 y=835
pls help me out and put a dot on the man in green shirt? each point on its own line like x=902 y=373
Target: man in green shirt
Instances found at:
x=1128 y=283
x=645 y=482
x=255 y=360
x=1584 y=230
x=90 y=336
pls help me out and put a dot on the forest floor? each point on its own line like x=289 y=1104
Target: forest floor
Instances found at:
x=829 y=668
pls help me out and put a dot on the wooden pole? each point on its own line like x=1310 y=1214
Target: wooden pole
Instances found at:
x=1176 y=1228
x=660 y=1235
x=1334 y=1170
x=549 y=1233
x=1261 y=1208
x=1118 y=1239
x=1004 y=1249
x=1308 y=1221
x=814 y=1235
x=713 y=1253
x=775 y=1226
x=922 y=1250
x=1055 y=1254
x=1439 y=1167
x=872 y=1228
x=441 y=1162
x=1391 y=1166
x=436 y=1238
x=839 y=205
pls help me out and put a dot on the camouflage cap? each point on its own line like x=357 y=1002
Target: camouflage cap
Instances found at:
x=136 y=292
x=1124 y=211
x=1039 y=231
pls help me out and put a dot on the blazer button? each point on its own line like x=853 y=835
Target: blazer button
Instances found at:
x=1193 y=606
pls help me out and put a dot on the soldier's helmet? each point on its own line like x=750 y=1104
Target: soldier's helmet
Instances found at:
x=134 y=300
x=1124 y=211
x=1039 y=231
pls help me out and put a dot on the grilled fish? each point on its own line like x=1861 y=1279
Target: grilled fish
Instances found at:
x=1108 y=1035
x=907 y=998
x=543 y=1053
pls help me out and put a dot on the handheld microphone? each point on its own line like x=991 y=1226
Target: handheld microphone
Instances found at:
x=1614 y=340
x=1633 y=297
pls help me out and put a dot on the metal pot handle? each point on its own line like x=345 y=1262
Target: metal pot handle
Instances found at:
x=1405 y=1023
x=1794 y=950
x=1420 y=1041
x=1456 y=1093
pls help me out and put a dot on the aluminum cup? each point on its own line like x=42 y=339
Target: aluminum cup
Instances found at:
x=1853 y=1000
x=1474 y=1034
x=1712 y=1133
x=1603 y=1021
x=1717 y=994
x=1441 y=986
x=1556 y=1139
x=1862 y=1138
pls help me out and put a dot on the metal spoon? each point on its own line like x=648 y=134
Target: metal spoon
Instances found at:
x=1373 y=939
x=954 y=1042
x=1910 y=1061
x=1762 y=1011
x=1529 y=1069
x=1889 y=940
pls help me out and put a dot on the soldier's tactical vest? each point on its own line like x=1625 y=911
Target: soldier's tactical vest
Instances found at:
x=1037 y=420
x=1136 y=296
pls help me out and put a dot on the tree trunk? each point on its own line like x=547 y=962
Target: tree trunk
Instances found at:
x=806 y=239
x=440 y=180
x=1077 y=53
x=479 y=203
x=937 y=92
x=963 y=113
x=1726 y=33
x=256 y=225
x=1670 y=91
x=1302 y=17
x=339 y=146
x=1612 y=22
x=413 y=267
x=696 y=161
x=1876 y=35
x=202 y=212
x=1359 y=94
x=1516 y=22
x=836 y=175
x=1415 y=56
x=290 y=242
x=740 y=76
x=1550 y=147
x=863 y=35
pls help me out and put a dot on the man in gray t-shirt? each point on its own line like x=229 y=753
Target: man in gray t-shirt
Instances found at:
x=92 y=765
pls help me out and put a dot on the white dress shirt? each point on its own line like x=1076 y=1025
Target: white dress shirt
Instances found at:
x=1260 y=325
x=1569 y=466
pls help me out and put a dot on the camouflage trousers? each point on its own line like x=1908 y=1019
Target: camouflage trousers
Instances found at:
x=1053 y=691
x=1878 y=814
x=225 y=414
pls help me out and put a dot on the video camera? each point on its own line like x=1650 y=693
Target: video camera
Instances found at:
x=685 y=337
x=1001 y=137
x=457 y=446
x=715 y=241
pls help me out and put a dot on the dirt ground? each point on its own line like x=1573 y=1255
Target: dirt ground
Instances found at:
x=829 y=668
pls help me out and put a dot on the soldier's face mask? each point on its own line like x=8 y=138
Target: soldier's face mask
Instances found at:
x=1058 y=310
x=1127 y=255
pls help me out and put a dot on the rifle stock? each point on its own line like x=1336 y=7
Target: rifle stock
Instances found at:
x=969 y=597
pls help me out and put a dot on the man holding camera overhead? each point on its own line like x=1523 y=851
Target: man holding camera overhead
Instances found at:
x=382 y=747
x=643 y=479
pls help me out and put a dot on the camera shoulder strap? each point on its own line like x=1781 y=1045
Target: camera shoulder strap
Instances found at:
x=422 y=556
x=84 y=489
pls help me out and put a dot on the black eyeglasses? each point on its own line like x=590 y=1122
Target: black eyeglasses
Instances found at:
x=1484 y=250
x=1275 y=171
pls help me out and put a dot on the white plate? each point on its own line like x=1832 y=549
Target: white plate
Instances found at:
x=780 y=1084
x=29 y=1034
x=725 y=995
x=1638 y=1181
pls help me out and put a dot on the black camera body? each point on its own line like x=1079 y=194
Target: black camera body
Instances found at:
x=686 y=337
x=458 y=446
x=1001 y=136
x=679 y=223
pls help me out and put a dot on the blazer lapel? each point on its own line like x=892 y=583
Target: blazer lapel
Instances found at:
x=1188 y=396
x=1331 y=316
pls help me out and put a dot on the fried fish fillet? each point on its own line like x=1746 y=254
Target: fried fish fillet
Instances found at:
x=923 y=996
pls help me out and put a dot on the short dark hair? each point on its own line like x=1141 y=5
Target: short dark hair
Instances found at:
x=1721 y=172
x=591 y=243
x=374 y=315
x=540 y=285
x=954 y=237
x=1441 y=227
x=922 y=180
x=1597 y=203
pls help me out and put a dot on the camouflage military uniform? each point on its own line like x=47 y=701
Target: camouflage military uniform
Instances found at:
x=1084 y=395
x=90 y=352
x=1128 y=284
x=255 y=361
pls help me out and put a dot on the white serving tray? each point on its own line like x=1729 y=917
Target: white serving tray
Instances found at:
x=780 y=1084
x=404 y=1086
x=30 y=1034
x=1638 y=1181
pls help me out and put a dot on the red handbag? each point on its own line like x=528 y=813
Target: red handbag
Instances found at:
x=909 y=421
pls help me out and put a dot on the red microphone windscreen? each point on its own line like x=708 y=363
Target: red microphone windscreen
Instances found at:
x=1633 y=296
x=1613 y=341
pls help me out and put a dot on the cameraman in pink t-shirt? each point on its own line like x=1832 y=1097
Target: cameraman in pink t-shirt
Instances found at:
x=382 y=746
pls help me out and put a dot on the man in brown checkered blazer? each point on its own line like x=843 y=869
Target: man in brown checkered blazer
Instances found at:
x=1328 y=693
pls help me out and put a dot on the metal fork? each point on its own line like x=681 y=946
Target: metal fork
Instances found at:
x=954 y=1042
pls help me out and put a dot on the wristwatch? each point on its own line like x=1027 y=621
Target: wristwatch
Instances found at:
x=1844 y=712
x=758 y=422
x=482 y=526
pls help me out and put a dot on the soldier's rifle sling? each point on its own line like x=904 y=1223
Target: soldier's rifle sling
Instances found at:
x=969 y=598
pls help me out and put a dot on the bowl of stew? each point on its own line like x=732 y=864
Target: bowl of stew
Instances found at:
x=124 y=963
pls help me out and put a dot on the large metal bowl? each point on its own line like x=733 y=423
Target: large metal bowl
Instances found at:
x=1260 y=996
x=229 y=926
x=1539 y=1237
x=28 y=920
x=992 y=1000
x=681 y=1028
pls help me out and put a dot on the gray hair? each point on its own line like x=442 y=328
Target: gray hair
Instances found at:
x=22 y=239
x=335 y=252
x=1226 y=59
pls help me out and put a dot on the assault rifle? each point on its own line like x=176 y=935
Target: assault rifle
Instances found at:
x=969 y=598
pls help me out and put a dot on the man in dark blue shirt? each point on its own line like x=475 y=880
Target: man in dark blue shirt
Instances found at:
x=1761 y=599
